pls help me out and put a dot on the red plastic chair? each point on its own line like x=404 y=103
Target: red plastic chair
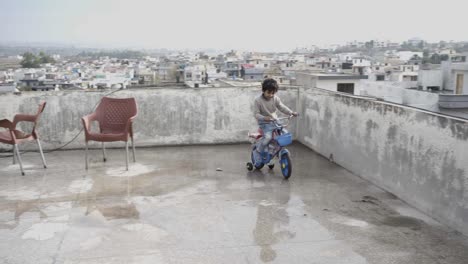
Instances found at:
x=13 y=136
x=115 y=117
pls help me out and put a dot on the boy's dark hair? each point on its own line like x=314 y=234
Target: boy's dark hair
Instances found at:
x=269 y=84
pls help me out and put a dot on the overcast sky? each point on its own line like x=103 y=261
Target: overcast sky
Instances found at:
x=236 y=24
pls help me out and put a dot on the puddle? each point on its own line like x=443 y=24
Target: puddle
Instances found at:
x=242 y=185
x=20 y=194
x=120 y=212
x=81 y=186
x=134 y=169
x=349 y=221
x=265 y=203
x=16 y=167
x=57 y=207
x=407 y=211
x=44 y=231
x=403 y=221
x=149 y=232
x=176 y=197
x=91 y=243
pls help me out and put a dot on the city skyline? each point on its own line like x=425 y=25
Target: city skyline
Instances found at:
x=260 y=25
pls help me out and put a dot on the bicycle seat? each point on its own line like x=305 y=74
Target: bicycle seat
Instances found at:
x=256 y=135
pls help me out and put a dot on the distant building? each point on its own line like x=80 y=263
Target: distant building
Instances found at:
x=430 y=79
x=232 y=68
x=455 y=77
x=360 y=65
x=254 y=74
x=146 y=76
x=347 y=57
x=165 y=72
x=393 y=45
x=380 y=44
x=407 y=55
x=30 y=80
x=378 y=73
x=403 y=76
x=455 y=85
x=333 y=82
x=355 y=44
x=458 y=57
x=414 y=41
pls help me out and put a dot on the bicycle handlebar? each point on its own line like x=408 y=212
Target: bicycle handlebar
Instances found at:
x=275 y=121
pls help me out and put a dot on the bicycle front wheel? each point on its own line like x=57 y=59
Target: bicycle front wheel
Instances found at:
x=286 y=166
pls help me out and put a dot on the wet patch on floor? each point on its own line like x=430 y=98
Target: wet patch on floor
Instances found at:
x=175 y=197
x=349 y=221
x=134 y=169
x=148 y=232
x=120 y=212
x=81 y=186
x=16 y=167
x=403 y=221
x=44 y=231
x=20 y=194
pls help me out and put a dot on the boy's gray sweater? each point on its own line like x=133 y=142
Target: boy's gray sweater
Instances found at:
x=264 y=108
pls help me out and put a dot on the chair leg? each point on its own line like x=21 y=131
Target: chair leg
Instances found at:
x=133 y=150
x=19 y=158
x=14 y=155
x=42 y=153
x=104 y=152
x=86 y=155
x=126 y=154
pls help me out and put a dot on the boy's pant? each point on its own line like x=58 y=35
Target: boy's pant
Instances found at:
x=267 y=136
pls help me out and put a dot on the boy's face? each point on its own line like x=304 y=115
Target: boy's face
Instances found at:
x=269 y=94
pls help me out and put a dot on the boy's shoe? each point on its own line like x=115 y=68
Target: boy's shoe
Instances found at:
x=257 y=157
x=265 y=155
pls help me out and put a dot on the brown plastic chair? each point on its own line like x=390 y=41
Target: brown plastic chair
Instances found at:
x=13 y=136
x=115 y=117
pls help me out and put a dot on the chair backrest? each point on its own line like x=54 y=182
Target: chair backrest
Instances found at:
x=30 y=118
x=38 y=115
x=113 y=113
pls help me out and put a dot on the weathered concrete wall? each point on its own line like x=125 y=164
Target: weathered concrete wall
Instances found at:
x=166 y=116
x=419 y=156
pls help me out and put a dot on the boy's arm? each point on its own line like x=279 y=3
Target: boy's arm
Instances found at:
x=257 y=114
x=284 y=109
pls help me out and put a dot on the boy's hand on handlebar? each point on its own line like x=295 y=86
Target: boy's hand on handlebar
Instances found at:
x=295 y=114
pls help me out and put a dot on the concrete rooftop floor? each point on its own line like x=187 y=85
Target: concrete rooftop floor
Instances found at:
x=173 y=206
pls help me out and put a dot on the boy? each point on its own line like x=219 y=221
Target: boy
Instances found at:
x=266 y=106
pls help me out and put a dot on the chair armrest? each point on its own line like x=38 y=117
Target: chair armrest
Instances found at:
x=129 y=123
x=5 y=123
x=87 y=119
x=23 y=118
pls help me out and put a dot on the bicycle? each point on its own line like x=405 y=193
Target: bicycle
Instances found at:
x=276 y=148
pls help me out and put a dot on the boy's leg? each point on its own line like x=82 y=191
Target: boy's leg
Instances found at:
x=262 y=146
x=257 y=157
x=266 y=140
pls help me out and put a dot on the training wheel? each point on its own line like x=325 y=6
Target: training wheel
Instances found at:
x=249 y=166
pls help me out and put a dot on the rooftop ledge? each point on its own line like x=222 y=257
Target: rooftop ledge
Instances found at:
x=173 y=198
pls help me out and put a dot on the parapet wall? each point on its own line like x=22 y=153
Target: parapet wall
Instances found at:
x=419 y=156
x=168 y=116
